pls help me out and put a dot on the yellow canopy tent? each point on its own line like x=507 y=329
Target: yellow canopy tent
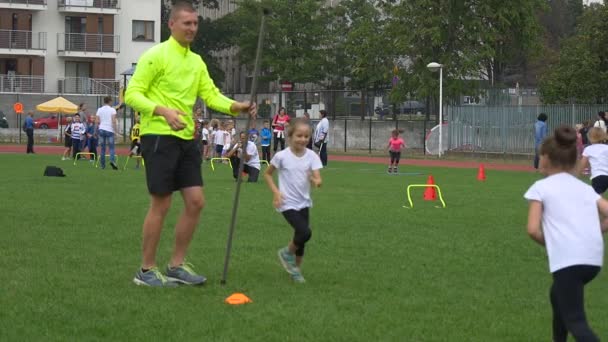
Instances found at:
x=58 y=105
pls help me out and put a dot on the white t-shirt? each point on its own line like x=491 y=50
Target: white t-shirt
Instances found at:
x=322 y=128
x=227 y=140
x=598 y=159
x=218 y=137
x=105 y=114
x=601 y=124
x=570 y=222
x=252 y=150
x=205 y=135
x=294 y=177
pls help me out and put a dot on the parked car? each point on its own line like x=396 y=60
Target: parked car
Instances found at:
x=3 y=122
x=52 y=121
x=49 y=121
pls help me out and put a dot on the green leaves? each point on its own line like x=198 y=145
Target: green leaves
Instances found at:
x=579 y=74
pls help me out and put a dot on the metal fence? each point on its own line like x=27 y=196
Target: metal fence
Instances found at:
x=21 y=84
x=25 y=2
x=25 y=40
x=88 y=42
x=508 y=129
x=105 y=4
x=88 y=86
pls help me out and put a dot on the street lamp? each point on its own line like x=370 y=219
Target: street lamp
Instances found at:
x=434 y=66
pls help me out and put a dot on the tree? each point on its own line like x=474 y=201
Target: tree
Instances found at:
x=474 y=40
x=580 y=74
x=292 y=40
x=365 y=50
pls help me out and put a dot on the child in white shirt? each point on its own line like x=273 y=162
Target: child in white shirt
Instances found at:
x=596 y=156
x=564 y=216
x=298 y=168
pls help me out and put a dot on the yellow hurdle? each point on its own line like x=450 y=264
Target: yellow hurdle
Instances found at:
x=84 y=154
x=143 y=163
x=262 y=161
x=409 y=196
x=220 y=159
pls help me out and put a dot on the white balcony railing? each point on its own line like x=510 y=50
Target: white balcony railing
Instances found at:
x=24 y=2
x=88 y=42
x=25 y=40
x=21 y=84
x=101 y=4
x=89 y=86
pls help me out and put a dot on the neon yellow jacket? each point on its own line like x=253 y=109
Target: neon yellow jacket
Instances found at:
x=172 y=76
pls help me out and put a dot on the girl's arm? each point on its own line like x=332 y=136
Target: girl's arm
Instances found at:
x=315 y=178
x=582 y=164
x=276 y=194
x=388 y=146
x=602 y=206
x=535 y=213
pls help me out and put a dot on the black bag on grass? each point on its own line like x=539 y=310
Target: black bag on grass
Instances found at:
x=53 y=171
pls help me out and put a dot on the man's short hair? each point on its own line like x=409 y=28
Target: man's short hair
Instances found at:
x=181 y=6
x=107 y=99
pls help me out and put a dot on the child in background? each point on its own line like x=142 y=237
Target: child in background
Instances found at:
x=253 y=132
x=78 y=132
x=92 y=140
x=205 y=139
x=67 y=139
x=135 y=142
x=564 y=216
x=218 y=139
x=251 y=158
x=214 y=126
x=579 y=139
x=228 y=137
x=298 y=168
x=596 y=157
x=395 y=144
x=266 y=137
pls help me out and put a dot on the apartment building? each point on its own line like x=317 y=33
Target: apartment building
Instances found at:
x=73 y=46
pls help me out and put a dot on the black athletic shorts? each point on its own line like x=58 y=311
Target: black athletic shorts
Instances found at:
x=171 y=163
x=67 y=142
x=600 y=184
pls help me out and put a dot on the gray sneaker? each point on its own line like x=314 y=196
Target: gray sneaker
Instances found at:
x=288 y=260
x=297 y=276
x=153 y=278
x=184 y=274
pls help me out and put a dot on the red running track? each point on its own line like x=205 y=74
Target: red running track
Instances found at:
x=58 y=150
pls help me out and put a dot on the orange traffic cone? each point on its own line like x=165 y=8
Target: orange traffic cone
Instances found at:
x=481 y=173
x=429 y=193
x=237 y=299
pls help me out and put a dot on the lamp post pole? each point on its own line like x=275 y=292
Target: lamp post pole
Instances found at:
x=434 y=66
x=440 y=110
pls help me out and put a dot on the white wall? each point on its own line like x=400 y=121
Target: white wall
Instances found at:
x=134 y=10
x=52 y=22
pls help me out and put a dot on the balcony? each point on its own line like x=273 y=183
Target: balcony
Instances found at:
x=88 y=45
x=88 y=86
x=31 y=5
x=24 y=43
x=21 y=84
x=89 y=6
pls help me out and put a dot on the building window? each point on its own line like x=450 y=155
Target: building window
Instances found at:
x=143 y=31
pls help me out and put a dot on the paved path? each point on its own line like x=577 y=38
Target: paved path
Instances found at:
x=58 y=150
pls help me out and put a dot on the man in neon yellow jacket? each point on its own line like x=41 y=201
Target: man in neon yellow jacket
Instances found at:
x=168 y=79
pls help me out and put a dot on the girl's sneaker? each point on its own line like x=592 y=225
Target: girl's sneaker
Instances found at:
x=288 y=260
x=297 y=276
x=390 y=169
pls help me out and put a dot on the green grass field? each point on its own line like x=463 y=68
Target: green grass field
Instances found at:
x=375 y=271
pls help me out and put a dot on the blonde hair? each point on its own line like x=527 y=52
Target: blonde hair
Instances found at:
x=597 y=135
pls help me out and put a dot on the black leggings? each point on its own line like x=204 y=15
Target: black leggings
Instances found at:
x=395 y=157
x=278 y=140
x=600 y=184
x=567 y=301
x=298 y=219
